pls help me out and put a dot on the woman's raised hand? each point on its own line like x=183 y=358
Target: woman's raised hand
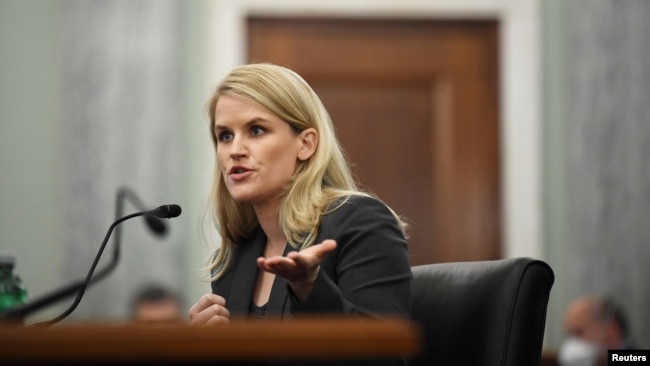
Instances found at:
x=299 y=269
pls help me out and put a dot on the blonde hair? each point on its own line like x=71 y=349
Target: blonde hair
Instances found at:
x=317 y=181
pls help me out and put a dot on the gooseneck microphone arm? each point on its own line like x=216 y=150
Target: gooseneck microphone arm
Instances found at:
x=153 y=222
x=166 y=211
x=157 y=226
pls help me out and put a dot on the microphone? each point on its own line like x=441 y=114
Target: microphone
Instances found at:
x=154 y=223
x=158 y=227
x=165 y=211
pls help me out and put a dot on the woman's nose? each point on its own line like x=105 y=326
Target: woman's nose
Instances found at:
x=237 y=148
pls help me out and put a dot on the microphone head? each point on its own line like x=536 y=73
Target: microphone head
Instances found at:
x=167 y=211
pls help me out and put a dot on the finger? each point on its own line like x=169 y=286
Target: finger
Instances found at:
x=303 y=259
x=206 y=301
x=218 y=310
x=276 y=262
x=215 y=299
x=213 y=320
x=199 y=311
x=277 y=266
x=319 y=250
x=326 y=247
x=313 y=255
x=200 y=304
x=217 y=320
x=206 y=315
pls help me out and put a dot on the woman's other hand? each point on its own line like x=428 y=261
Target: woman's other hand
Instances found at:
x=209 y=310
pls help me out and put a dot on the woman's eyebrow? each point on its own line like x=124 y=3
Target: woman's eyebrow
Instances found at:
x=253 y=121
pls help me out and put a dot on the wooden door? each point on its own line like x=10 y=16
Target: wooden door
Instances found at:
x=415 y=104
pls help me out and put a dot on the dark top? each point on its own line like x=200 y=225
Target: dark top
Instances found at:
x=256 y=311
x=368 y=274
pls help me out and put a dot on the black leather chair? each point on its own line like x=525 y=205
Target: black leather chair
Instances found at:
x=483 y=313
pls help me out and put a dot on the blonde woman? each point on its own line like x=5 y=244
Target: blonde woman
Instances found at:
x=298 y=236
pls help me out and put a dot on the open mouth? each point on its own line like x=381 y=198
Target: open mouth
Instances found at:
x=238 y=170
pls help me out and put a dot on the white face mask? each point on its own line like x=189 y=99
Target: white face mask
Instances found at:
x=578 y=352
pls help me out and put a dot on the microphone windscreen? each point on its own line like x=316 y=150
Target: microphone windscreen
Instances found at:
x=167 y=211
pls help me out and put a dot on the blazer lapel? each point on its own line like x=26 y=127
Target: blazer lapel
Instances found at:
x=245 y=274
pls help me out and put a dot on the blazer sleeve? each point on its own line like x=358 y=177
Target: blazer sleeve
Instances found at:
x=369 y=273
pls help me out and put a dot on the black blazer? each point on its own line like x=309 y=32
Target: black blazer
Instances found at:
x=368 y=274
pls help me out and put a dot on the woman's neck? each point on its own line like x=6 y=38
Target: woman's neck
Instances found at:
x=267 y=216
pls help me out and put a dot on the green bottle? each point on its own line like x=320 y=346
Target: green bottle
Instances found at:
x=12 y=288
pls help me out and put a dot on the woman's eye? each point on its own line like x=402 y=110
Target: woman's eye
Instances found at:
x=256 y=130
x=224 y=136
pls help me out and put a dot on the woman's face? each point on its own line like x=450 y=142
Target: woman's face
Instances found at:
x=257 y=152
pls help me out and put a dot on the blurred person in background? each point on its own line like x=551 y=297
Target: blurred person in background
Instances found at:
x=593 y=325
x=155 y=305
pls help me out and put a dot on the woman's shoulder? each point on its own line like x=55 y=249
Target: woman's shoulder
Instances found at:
x=360 y=213
x=356 y=203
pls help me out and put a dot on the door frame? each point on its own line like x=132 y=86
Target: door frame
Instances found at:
x=519 y=58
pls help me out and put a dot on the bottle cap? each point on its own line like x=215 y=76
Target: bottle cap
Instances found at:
x=7 y=259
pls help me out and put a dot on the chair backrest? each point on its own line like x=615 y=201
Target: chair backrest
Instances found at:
x=485 y=313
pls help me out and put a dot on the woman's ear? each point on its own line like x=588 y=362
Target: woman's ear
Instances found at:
x=308 y=140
